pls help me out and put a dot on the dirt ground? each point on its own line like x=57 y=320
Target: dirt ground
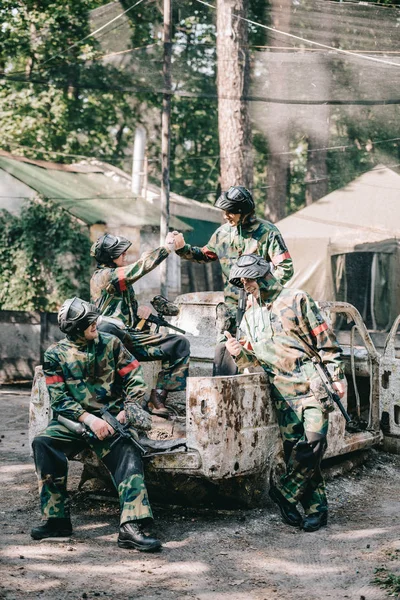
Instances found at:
x=207 y=554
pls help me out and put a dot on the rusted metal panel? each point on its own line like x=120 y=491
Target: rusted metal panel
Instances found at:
x=40 y=412
x=231 y=423
x=390 y=386
x=178 y=461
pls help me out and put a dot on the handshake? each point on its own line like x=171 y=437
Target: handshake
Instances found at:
x=174 y=241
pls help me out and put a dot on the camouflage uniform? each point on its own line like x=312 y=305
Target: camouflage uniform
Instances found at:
x=112 y=291
x=228 y=243
x=282 y=334
x=84 y=376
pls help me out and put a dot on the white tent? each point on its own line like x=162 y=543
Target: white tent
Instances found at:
x=346 y=246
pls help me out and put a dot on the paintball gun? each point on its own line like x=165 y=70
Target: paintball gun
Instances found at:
x=121 y=431
x=352 y=426
x=164 y=308
x=241 y=309
x=146 y=446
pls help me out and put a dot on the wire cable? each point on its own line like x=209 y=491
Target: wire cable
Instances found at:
x=91 y=34
x=296 y=37
x=214 y=96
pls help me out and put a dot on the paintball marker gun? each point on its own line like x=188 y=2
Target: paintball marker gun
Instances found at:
x=122 y=431
x=241 y=309
x=164 y=308
x=149 y=448
x=351 y=425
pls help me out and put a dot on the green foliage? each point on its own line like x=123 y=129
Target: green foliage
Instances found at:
x=45 y=258
x=50 y=101
x=387 y=581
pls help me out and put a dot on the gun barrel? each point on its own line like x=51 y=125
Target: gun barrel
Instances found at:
x=161 y=322
x=325 y=378
x=241 y=309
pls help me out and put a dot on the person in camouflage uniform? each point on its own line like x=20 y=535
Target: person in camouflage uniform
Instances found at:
x=112 y=291
x=284 y=330
x=85 y=372
x=243 y=233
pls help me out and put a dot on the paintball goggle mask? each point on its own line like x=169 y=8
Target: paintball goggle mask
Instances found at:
x=164 y=307
x=249 y=266
x=237 y=200
x=108 y=247
x=76 y=315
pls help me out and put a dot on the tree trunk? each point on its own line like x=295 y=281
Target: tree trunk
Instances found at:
x=233 y=78
x=278 y=183
x=316 y=178
x=278 y=138
x=317 y=170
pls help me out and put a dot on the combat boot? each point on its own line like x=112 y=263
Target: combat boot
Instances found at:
x=315 y=521
x=132 y=535
x=156 y=403
x=52 y=528
x=289 y=512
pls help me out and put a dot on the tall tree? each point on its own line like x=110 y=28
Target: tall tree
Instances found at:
x=279 y=135
x=233 y=82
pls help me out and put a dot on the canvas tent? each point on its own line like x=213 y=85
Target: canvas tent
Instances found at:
x=346 y=246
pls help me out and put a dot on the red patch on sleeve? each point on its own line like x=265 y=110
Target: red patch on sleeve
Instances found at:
x=132 y=365
x=280 y=258
x=319 y=329
x=54 y=379
x=121 y=279
x=209 y=254
x=247 y=345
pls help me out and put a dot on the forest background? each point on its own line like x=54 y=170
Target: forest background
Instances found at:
x=309 y=119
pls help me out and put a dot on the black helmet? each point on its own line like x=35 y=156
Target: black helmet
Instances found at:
x=237 y=200
x=108 y=247
x=76 y=315
x=249 y=266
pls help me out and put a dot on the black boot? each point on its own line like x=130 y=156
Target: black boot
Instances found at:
x=131 y=535
x=289 y=512
x=315 y=521
x=52 y=528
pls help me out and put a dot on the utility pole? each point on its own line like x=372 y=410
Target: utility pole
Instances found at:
x=138 y=161
x=165 y=140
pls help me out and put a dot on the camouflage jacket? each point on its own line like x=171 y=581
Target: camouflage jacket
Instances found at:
x=112 y=291
x=282 y=333
x=228 y=243
x=85 y=376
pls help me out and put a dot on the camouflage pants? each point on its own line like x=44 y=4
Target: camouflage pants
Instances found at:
x=57 y=444
x=303 y=426
x=173 y=351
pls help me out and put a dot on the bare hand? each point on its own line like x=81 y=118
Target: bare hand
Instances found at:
x=143 y=312
x=340 y=387
x=101 y=428
x=121 y=417
x=179 y=240
x=170 y=242
x=232 y=345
